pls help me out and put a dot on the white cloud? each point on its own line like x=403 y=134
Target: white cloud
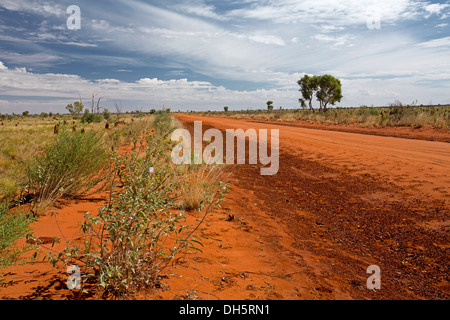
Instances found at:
x=441 y=42
x=199 y=8
x=40 y=7
x=267 y=39
x=272 y=43
x=34 y=59
x=56 y=90
x=436 y=8
x=81 y=44
x=340 y=40
x=338 y=12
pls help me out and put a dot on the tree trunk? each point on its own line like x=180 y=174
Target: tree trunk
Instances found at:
x=310 y=106
x=98 y=105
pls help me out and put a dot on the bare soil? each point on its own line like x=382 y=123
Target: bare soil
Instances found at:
x=341 y=201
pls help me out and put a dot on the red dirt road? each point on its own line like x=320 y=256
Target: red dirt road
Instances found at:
x=340 y=202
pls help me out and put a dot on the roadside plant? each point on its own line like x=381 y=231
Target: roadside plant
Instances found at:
x=70 y=167
x=12 y=227
x=137 y=233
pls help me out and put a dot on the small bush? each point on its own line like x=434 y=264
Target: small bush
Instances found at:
x=91 y=117
x=138 y=233
x=9 y=188
x=126 y=242
x=106 y=114
x=12 y=227
x=200 y=184
x=70 y=167
x=163 y=122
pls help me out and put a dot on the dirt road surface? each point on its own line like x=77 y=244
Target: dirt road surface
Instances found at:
x=340 y=202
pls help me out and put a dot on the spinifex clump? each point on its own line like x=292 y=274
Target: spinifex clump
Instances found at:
x=70 y=167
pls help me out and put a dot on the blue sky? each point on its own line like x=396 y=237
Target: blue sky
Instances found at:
x=200 y=55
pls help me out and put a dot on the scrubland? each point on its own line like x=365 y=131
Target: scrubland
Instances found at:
x=126 y=242
x=377 y=117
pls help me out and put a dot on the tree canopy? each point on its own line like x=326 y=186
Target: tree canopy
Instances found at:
x=326 y=88
x=75 y=108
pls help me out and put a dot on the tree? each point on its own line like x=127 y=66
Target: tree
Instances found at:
x=98 y=104
x=75 y=108
x=303 y=103
x=269 y=105
x=326 y=88
x=118 y=109
x=70 y=108
x=25 y=113
x=308 y=87
x=106 y=114
x=225 y=109
x=329 y=91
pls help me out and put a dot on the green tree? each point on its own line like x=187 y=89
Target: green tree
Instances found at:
x=329 y=91
x=75 y=108
x=269 y=105
x=26 y=113
x=106 y=114
x=302 y=103
x=225 y=109
x=326 y=88
x=308 y=87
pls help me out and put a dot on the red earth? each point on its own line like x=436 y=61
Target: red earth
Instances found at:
x=340 y=202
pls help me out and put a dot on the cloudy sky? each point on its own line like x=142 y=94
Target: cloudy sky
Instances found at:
x=202 y=54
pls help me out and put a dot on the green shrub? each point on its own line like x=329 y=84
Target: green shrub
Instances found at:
x=163 y=123
x=9 y=188
x=12 y=227
x=70 y=167
x=126 y=246
x=91 y=117
x=137 y=233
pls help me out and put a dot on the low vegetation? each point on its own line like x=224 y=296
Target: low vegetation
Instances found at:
x=139 y=231
x=70 y=167
x=132 y=238
x=12 y=227
x=437 y=117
